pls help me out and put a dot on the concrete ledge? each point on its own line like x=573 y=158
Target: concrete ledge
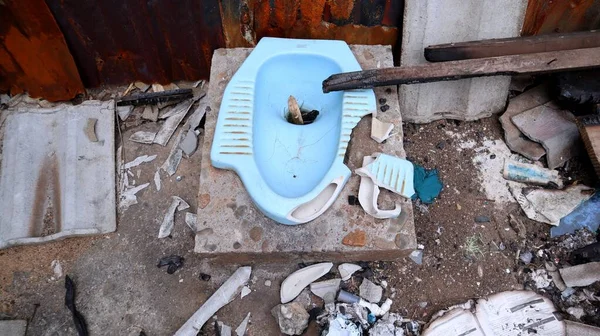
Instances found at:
x=231 y=229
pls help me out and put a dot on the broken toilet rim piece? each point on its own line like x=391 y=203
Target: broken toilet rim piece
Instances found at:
x=346 y=270
x=289 y=190
x=392 y=173
x=368 y=192
x=297 y=281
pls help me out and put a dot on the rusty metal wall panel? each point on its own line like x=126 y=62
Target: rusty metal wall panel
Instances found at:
x=33 y=54
x=562 y=16
x=119 y=41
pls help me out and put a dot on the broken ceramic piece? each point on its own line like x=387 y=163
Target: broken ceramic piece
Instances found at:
x=175 y=155
x=532 y=174
x=128 y=197
x=380 y=131
x=241 y=329
x=326 y=290
x=168 y=128
x=346 y=270
x=245 y=291
x=581 y=275
x=150 y=113
x=124 y=111
x=224 y=330
x=515 y=140
x=370 y=291
x=368 y=192
x=225 y=294
x=189 y=143
x=549 y=206
x=297 y=281
x=157 y=183
x=167 y=224
x=190 y=220
x=139 y=160
x=554 y=128
x=143 y=137
x=392 y=173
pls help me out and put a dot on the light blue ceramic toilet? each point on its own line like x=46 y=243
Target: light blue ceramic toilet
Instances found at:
x=293 y=173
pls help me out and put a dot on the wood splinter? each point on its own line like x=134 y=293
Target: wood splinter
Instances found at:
x=295 y=116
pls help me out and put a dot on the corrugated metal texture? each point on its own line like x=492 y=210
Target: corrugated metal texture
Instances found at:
x=561 y=16
x=33 y=54
x=119 y=41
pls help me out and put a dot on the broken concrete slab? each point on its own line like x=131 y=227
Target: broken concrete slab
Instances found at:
x=232 y=229
x=435 y=22
x=515 y=140
x=581 y=275
x=55 y=183
x=554 y=128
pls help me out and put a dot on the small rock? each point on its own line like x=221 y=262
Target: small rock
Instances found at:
x=482 y=219
x=57 y=268
x=493 y=156
x=576 y=312
x=422 y=304
x=526 y=257
x=205 y=277
x=382 y=101
x=304 y=299
x=441 y=145
x=355 y=238
x=370 y=291
x=480 y=271
x=384 y=108
x=291 y=318
x=268 y=283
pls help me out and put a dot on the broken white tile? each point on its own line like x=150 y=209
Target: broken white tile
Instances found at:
x=168 y=128
x=346 y=270
x=241 y=329
x=143 y=137
x=245 y=291
x=167 y=223
x=139 y=160
x=172 y=162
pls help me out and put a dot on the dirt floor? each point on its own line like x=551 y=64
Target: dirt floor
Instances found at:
x=121 y=291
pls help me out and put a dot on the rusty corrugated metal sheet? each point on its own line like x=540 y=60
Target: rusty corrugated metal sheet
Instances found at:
x=119 y=41
x=561 y=16
x=33 y=54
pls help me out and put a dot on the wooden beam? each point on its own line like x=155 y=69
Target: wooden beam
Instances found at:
x=547 y=62
x=512 y=46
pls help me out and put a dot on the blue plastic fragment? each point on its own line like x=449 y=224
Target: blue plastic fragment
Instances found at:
x=427 y=184
x=371 y=318
x=586 y=215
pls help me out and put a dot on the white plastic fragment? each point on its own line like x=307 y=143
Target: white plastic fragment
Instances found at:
x=297 y=281
x=346 y=270
x=167 y=224
x=241 y=329
x=225 y=294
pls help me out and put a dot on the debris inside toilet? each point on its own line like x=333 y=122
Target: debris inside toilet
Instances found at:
x=298 y=115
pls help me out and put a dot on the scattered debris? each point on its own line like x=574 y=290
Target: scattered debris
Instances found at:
x=555 y=129
x=241 y=329
x=57 y=269
x=390 y=325
x=168 y=128
x=157 y=184
x=150 y=113
x=245 y=291
x=177 y=203
x=380 y=131
x=370 y=291
x=191 y=219
x=129 y=198
x=139 y=160
x=581 y=275
x=224 y=330
x=175 y=155
x=416 y=256
x=158 y=96
x=586 y=215
x=294 y=115
x=141 y=86
x=540 y=278
x=90 y=129
x=291 y=318
x=555 y=275
x=342 y=326
x=526 y=257
x=576 y=312
x=515 y=140
x=529 y=173
x=326 y=290
x=174 y=262
x=346 y=270
x=427 y=184
x=549 y=206
x=78 y=319
x=297 y=281
x=225 y=294
x=189 y=143
x=143 y=137
x=124 y=111
x=368 y=192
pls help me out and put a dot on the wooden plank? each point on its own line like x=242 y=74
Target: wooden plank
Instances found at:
x=512 y=46
x=589 y=127
x=547 y=62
